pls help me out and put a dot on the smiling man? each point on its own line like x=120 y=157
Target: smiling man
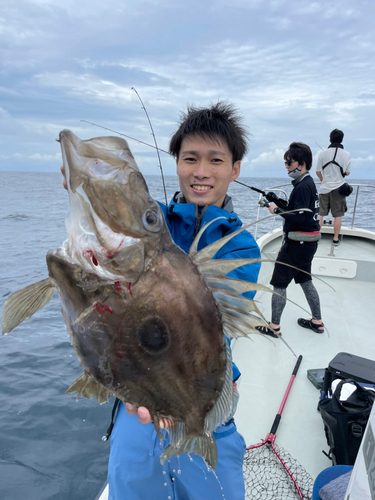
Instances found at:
x=208 y=147
x=205 y=168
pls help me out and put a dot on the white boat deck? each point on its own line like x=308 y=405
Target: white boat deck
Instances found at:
x=266 y=364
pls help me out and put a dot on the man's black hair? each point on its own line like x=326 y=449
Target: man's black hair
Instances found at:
x=336 y=136
x=219 y=122
x=298 y=151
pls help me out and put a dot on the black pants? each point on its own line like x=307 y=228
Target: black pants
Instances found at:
x=298 y=254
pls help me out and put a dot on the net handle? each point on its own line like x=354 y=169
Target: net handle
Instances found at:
x=276 y=422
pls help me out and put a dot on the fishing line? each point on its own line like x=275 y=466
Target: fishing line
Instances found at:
x=127 y=136
x=161 y=150
x=156 y=144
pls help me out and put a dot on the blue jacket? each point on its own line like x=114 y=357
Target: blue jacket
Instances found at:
x=184 y=220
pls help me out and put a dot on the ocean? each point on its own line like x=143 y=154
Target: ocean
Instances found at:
x=50 y=445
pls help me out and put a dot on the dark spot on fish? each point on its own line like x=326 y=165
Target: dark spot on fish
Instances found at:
x=153 y=335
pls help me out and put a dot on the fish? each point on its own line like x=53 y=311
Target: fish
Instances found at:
x=146 y=320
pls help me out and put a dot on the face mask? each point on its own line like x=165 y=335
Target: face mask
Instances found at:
x=294 y=174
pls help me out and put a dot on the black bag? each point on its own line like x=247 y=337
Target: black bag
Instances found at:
x=346 y=189
x=345 y=422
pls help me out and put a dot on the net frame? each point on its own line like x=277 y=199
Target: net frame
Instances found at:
x=270 y=464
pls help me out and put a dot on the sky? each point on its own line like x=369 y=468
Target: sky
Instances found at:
x=295 y=70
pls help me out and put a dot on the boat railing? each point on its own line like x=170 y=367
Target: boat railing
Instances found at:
x=282 y=193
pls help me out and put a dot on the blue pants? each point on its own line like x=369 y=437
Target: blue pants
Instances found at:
x=135 y=472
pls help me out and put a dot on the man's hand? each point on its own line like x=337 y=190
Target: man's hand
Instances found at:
x=143 y=414
x=62 y=169
x=145 y=418
x=271 y=208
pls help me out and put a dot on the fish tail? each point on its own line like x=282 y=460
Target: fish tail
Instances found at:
x=205 y=446
x=26 y=302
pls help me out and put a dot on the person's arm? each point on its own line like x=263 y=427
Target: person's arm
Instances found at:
x=319 y=165
x=347 y=170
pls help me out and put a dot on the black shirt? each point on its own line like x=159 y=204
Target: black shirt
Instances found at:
x=304 y=195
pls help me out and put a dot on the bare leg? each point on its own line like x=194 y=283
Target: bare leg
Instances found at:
x=337 y=227
x=321 y=221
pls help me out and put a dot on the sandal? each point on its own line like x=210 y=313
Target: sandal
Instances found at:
x=307 y=323
x=272 y=332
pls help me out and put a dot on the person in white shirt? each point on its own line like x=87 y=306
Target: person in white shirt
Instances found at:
x=332 y=168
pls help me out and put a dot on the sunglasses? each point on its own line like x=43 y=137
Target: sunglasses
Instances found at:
x=289 y=162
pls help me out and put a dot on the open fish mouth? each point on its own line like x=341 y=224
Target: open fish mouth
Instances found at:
x=104 y=232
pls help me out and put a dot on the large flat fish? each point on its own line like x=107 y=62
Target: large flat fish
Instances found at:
x=146 y=320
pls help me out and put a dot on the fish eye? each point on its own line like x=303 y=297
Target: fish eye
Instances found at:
x=153 y=335
x=152 y=221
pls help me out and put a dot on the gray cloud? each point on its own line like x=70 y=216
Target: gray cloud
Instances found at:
x=295 y=69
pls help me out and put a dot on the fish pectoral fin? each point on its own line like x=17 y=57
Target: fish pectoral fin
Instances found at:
x=205 y=446
x=88 y=387
x=26 y=302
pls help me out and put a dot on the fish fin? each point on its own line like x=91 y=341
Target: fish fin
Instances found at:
x=242 y=325
x=24 y=303
x=193 y=250
x=232 y=332
x=204 y=446
x=234 y=301
x=219 y=268
x=209 y=251
x=222 y=410
x=88 y=387
x=234 y=285
x=224 y=285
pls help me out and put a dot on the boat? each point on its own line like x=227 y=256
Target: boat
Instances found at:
x=345 y=279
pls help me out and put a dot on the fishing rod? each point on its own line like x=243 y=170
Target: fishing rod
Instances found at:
x=270 y=196
x=124 y=135
x=156 y=144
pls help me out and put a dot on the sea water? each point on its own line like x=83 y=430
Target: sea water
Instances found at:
x=50 y=445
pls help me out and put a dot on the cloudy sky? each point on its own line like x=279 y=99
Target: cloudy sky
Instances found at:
x=296 y=70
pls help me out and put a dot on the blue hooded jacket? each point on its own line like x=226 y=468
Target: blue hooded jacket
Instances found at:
x=184 y=221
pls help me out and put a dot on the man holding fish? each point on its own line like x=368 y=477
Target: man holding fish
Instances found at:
x=147 y=293
x=208 y=146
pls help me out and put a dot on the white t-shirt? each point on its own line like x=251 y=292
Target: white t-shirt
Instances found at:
x=332 y=178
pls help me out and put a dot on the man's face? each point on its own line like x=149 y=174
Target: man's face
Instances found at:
x=205 y=169
x=291 y=165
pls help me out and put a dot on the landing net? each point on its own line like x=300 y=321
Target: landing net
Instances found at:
x=271 y=473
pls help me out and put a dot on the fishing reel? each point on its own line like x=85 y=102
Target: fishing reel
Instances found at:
x=271 y=197
x=263 y=203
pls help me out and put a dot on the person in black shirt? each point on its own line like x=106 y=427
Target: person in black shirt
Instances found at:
x=301 y=235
